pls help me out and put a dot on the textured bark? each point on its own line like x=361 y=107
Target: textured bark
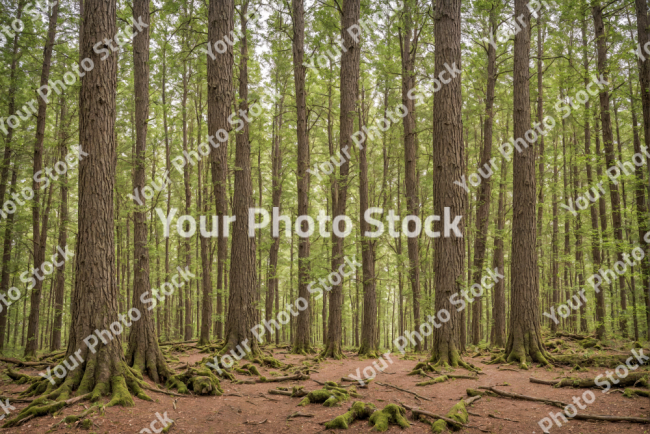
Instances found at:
x=143 y=353
x=369 y=344
x=301 y=342
x=206 y=260
x=59 y=279
x=499 y=329
x=485 y=189
x=584 y=328
x=554 y=242
x=642 y=24
x=6 y=260
x=220 y=95
x=243 y=276
x=595 y=235
x=608 y=142
x=349 y=88
x=524 y=337
x=408 y=50
x=449 y=165
x=38 y=237
x=95 y=297
x=276 y=184
x=4 y=173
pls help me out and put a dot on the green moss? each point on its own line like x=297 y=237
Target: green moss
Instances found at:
x=392 y=414
x=440 y=379
x=121 y=395
x=86 y=424
x=359 y=410
x=438 y=426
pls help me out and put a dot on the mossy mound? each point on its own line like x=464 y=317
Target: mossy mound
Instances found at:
x=392 y=414
x=200 y=380
x=440 y=379
x=330 y=395
x=458 y=413
x=359 y=410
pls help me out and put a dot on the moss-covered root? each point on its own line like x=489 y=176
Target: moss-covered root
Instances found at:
x=422 y=367
x=269 y=362
x=392 y=414
x=476 y=392
x=42 y=407
x=359 y=410
x=440 y=379
x=458 y=413
x=630 y=393
x=329 y=397
x=201 y=381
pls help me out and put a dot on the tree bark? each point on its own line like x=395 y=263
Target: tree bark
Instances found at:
x=408 y=51
x=643 y=32
x=449 y=165
x=143 y=353
x=243 y=276
x=38 y=237
x=220 y=95
x=608 y=142
x=369 y=344
x=525 y=338
x=499 y=329
x=350 y=59
x=485 y=190
x=301 y=344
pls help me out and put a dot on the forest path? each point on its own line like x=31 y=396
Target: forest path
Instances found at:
x=229 y=414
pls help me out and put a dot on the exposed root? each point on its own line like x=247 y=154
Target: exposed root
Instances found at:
x=440 y=379
x=47 y=407
x=201 y=381
x=392 y=414
x=358 y=411
x=631 y=379
x=330 y=395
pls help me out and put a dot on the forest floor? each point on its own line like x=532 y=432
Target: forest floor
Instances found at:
x=248 y=408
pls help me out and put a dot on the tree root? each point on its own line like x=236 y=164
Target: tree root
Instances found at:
x=330 y=395
x=605 y=361
x=629 y=393
x=200 y=380
x=73 y=419
x=392 y=414
x=440 y=379
x=47 y=407
x=296 y=392
x=455 y=420
x=403 y=390
x=359 y=410
x=631 y=380
x=298 y=377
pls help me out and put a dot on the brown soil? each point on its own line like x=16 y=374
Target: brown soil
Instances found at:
x=257 y=412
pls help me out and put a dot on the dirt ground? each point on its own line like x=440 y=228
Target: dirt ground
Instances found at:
x=254 y=411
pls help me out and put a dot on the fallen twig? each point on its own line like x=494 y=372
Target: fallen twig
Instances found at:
x=404 y=390
x=299 y=414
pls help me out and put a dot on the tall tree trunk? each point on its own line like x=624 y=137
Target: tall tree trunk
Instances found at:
x=143 y=353
x=369 y=337
x=37 y=230
x=524 y=338
x=608 y=142
x=6 y=261
x=595 y=235
x=485 y=190
x=95 y=298
x=243 y=276
x=408 y=50
x=449 y=165
x=301 y=344
x=349 y=89
x=59 y=279
x=643 y=31
x=554 y=241
x=220 y=95
x=499 y=329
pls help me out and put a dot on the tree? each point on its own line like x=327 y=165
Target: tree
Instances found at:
x=220 y=95
x=369 y=344
x=143 y=353
x=450 y=200
x=524 y=336
x=39 y=228
x=350 y=59
x=408 y=51
x=243 y=277
x=301 y=344
x=608 y=142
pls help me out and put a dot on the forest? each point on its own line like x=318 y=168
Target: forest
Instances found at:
x=365 y=202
